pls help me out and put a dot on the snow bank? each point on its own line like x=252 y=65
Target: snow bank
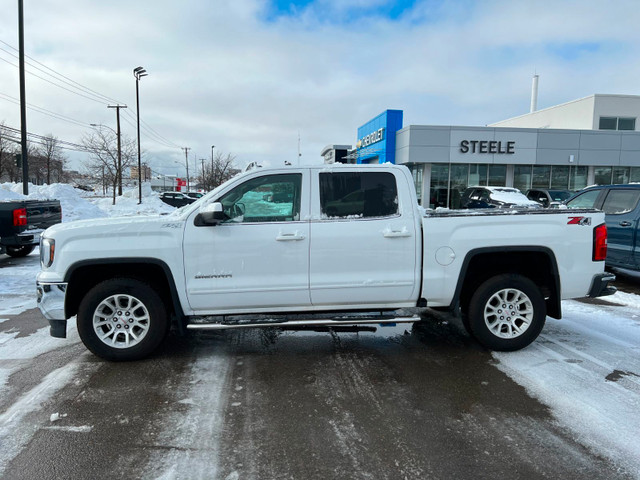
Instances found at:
x=78 y=205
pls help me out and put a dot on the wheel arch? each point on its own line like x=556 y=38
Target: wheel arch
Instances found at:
x=534 y=262
x=84 y=275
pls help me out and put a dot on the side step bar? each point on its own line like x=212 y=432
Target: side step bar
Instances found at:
x=304 y=323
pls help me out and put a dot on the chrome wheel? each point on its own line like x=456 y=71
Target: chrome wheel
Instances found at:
x=121 y=321
x=508 y=313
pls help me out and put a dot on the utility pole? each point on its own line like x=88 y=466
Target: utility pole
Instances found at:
x=204 y=185
x=23 y=101
x=186 y=162
x=119 y=172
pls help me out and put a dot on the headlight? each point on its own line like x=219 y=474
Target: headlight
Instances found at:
x=47 y=251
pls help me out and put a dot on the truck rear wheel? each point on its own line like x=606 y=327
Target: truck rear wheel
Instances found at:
x=122 y=319
x=21 y=251
x=507 y=312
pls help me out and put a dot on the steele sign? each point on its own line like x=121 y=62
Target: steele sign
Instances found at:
x=487 y=146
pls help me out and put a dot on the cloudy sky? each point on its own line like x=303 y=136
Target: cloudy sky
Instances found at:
x=250 y=76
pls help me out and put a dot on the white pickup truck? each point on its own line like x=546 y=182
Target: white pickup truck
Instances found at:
x=340 y=245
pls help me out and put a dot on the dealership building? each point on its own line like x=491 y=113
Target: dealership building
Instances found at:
x=592 y=140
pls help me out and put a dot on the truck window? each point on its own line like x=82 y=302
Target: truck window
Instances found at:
x=358 y=195
x=620 y=201
x=270 y=198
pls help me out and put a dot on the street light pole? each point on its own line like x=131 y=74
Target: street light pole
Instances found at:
x=212 y=177
x=139 y=72
x=23 y=101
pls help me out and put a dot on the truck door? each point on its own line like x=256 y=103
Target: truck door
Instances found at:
x=620 y=207
x=363 y=240
x=259 y=256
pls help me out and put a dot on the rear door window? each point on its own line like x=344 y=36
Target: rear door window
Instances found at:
x=358 y=195
x=621 y=201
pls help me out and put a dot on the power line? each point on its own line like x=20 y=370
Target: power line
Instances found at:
x=63 y=78
x=44 y=111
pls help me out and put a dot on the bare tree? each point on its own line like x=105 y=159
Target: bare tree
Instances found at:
x=102 y=146
x=218 y=171
x=52 y=157
x=7 y=153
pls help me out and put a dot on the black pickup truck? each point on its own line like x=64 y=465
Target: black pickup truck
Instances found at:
x=22 y=221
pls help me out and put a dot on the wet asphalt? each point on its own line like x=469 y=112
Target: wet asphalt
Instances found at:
x=404 y=402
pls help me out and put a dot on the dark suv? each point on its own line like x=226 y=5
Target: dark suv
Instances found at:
x=176 y=199
x=548 y=197
x=621 y=205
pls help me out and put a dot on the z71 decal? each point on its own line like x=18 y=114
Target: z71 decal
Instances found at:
x=579 y=221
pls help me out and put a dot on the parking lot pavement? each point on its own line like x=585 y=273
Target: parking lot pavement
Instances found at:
x=398 y=402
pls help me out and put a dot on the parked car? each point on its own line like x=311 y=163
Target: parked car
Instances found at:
x=194 y=195
x=495 y=197
x=621 y=205
x=548 y=198
x=176 y=199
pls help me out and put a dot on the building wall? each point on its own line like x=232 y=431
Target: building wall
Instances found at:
x=577 y=114
x=581 y=114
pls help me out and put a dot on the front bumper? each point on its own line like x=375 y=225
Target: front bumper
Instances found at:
x=600 y=285
x=51 y=298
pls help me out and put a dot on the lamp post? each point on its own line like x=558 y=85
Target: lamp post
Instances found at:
x=139 y=72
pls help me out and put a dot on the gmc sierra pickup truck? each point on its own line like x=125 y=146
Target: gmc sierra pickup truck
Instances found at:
x=22 y=222
x=342 y=245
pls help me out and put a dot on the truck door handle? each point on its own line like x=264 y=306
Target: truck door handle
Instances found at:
x=624 y=223
x=397 y=233
x=289 y=237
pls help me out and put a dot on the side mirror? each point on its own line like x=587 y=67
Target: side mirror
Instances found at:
x=211 y=214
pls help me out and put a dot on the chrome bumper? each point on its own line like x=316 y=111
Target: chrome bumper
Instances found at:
x=51 y=303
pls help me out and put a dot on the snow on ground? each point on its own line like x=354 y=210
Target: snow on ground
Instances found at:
x=586 y=367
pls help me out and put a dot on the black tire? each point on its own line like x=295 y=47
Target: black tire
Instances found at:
x=128 y=314
x=21 y=251
x=498 y=327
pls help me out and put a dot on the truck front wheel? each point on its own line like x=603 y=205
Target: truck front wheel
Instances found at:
x=507 y=312
x=122 y=319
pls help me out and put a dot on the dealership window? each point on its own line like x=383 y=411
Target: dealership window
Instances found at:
x=358 y=195
x=541 y=176
x=459 y=181
x=560 y=177
x=497 y=175
x=602 y=175
x=620 y=175
x=439 y=185
x=578 y=177
x=416 y=173
x=522 y=177
x=478 y=174
x=617 y=123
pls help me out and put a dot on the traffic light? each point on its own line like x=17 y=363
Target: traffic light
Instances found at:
x=18 y=160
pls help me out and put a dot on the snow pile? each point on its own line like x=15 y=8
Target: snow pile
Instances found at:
x=77 y=205
x=128 y=205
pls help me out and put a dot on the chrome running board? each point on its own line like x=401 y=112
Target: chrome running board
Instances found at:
x=306 y=323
